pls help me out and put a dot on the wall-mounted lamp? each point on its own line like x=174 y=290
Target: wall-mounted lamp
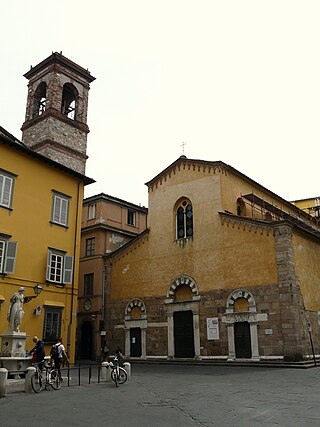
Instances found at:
x=37 y=291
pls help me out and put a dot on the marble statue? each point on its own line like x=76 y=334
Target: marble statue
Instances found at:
x=15 y=312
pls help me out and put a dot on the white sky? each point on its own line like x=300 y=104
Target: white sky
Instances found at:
x=237 y=81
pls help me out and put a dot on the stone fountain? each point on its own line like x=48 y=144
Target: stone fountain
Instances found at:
x=13 y=346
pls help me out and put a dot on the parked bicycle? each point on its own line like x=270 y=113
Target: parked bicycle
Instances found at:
x=118 y=374
x=47 y=376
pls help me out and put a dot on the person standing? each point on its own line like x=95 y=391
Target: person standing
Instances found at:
x=38 y=349
x=59 y=355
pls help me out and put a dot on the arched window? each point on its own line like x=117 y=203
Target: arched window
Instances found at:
x=40 y=99
x=184 y=219
x=69 y=101
x=241 y=207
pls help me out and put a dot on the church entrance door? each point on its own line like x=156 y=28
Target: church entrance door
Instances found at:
x=135 y=342
x=242 y=340
x=183 y=334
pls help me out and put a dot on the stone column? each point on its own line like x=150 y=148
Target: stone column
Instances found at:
x=196 y=333
x=127 y=341
x=254 y=340
x=232 y=350
x=143 y=343
x=293 y=322
x=170 y=336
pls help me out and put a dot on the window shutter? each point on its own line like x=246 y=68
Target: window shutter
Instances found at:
x=64 y=211
x=56 y=208
x=1 y=188
x=2 y=253
x=68 y=267
x=48 y=264
x=5 y=190
x=10 y=257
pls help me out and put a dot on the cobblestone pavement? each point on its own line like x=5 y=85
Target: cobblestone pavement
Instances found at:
x=176 y=396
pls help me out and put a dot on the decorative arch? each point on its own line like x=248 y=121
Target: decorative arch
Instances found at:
x=183 y=280
x=136 y=302
x=241 y=293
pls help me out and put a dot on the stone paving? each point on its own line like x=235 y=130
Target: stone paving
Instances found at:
x=177 y=396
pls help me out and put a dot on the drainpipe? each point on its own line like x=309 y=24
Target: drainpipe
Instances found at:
x=74 y=261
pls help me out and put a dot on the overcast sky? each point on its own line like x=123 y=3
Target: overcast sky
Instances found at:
x=236 y=81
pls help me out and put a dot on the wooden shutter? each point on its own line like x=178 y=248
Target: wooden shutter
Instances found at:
x=10 y=257
x=48 y=265
x=68 y=269
x=5 y=190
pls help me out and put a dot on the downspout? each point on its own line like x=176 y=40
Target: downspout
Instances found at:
x=74 y=258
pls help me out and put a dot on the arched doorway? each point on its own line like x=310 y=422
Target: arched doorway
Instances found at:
x=135 y=328
x=182 y=305
x=86 y=342
x=241 y=319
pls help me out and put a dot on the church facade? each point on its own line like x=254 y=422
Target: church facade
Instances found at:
x=225 y=270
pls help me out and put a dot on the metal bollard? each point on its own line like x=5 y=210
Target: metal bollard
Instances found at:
x=27 y=383
x=3 y=381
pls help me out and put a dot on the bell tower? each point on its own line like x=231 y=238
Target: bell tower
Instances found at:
x=56 y=113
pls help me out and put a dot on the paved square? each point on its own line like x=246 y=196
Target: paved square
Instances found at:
x=177 y=396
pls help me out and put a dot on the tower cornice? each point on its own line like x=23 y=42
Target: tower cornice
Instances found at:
x=58 y=58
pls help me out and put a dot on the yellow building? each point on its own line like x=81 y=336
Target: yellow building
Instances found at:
x=41 y=203
x=310 y=205
x=226 y=270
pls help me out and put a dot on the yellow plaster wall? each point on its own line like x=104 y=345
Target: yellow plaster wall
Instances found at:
x=29 y=224
x=233 y=187
x=216 y=257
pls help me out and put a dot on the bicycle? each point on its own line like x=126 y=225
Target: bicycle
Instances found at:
x=118 y=374
x=50 y=376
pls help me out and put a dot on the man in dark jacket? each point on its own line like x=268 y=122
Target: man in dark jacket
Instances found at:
x=39 y=350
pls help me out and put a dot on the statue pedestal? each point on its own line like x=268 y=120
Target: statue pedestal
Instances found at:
x=13 y=344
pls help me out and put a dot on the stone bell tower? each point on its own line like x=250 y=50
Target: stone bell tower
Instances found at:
x=56 y=114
